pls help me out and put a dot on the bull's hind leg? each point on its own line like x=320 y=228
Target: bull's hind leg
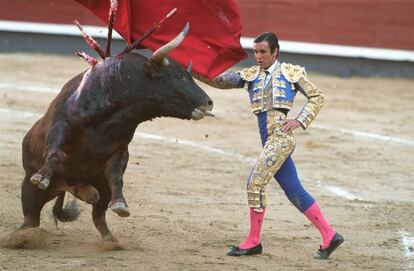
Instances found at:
x=114 y=171
x=28 y=235
x=33 y=201
x=109 y=242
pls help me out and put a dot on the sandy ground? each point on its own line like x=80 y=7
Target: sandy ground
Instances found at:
x=186 y=187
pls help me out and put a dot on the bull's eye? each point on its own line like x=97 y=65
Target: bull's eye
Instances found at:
x=180 y=76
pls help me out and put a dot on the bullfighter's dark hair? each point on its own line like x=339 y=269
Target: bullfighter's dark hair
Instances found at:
x=271 y=39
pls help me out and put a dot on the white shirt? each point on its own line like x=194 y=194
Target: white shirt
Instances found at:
x=269 y=71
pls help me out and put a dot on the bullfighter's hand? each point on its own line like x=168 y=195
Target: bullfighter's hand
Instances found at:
x=290 y=125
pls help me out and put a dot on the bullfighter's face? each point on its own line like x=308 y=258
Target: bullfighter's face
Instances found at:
x=263 y=55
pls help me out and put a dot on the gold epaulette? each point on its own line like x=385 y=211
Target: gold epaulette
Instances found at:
x=292 y=72
x=249 y=74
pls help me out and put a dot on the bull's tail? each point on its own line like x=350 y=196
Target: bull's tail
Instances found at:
x=68 y=213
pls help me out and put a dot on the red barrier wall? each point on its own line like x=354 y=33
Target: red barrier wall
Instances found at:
x=370 y=23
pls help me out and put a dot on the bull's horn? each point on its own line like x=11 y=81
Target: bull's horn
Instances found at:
x=161 y=52
x=190 y=67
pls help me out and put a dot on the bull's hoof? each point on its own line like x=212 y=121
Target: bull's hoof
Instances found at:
x=120 y=208
x=110 y=243
x=44 y=184
x=111 y=246
x=40 y=181
x=36 y=178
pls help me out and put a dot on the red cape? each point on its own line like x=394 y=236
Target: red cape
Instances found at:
x=212 y=44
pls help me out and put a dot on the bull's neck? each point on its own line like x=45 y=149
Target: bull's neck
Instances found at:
x=120 y=121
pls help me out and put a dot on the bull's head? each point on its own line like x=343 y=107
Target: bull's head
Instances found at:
x=177 y=93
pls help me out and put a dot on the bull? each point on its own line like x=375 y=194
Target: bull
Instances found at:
x=80 y=145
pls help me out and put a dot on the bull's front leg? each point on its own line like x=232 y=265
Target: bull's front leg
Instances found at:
x=114 y=171
x=53 y=154
x=109 y=242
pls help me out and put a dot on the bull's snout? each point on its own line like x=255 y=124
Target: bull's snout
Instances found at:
x=204 y=110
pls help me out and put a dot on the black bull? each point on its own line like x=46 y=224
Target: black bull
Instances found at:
x=81 y=143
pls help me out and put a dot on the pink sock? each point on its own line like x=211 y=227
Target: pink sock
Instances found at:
x=314 y=214
x=256 y=221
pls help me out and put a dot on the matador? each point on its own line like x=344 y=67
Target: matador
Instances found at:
x=272 y=87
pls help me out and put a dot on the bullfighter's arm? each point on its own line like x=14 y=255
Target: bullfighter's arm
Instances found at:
x=226 y=80
x=314 y=103
x=297 y=76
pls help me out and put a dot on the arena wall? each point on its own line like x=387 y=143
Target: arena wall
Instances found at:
x=346 y=37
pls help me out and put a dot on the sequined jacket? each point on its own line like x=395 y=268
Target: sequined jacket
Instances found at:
x=278 y=92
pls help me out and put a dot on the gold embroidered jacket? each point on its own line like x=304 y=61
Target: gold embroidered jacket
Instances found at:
x=278 y=92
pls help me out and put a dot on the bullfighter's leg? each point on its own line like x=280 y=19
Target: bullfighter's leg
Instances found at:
x=109 y=241
x=54 y=154
x=114 y=171
x=33 y=201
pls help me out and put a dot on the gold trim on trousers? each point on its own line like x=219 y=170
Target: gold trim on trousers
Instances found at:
x=278 y=147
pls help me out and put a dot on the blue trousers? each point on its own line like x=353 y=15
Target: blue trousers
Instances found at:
x=287 y=177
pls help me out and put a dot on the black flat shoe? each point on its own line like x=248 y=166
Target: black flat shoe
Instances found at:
x=236 y=251
x=334 y=244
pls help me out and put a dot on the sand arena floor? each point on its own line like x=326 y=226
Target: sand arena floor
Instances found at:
x=185 y=182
